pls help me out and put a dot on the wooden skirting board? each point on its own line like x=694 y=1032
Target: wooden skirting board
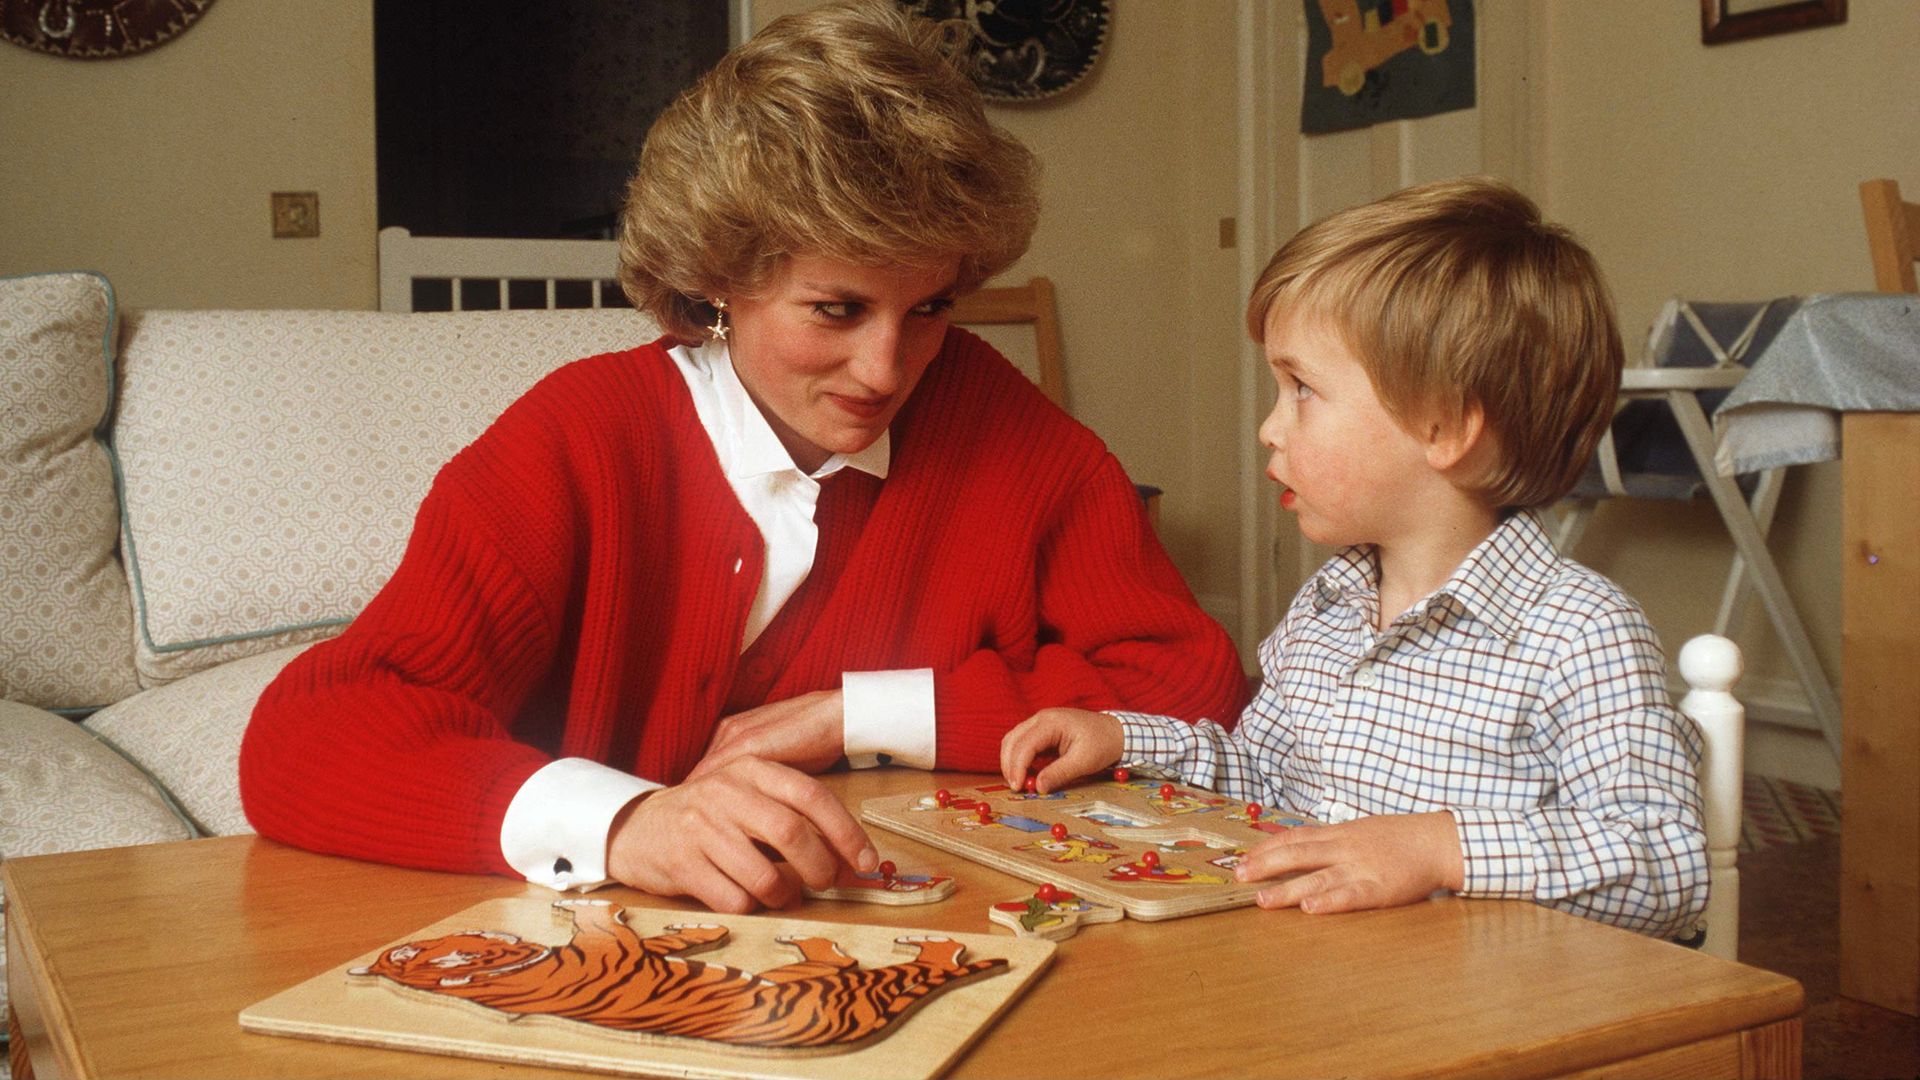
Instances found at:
x=1125 y=844
x=582 y=983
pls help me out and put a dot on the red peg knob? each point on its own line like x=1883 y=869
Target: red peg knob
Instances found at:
x=886 y=869
x=1121 y=776
x=1166 y=791
x=1047 y=893
x=986 y=814
x=1059 y=831
x=943 y=797
x=1253 y=811
x=1032 y=786
x=1150 y=859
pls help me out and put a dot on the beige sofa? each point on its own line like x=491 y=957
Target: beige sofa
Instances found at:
x=190 y=498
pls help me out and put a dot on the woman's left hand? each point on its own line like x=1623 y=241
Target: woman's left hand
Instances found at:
x=806 y=732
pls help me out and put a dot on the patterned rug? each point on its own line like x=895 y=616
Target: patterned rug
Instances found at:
x=1780 y=812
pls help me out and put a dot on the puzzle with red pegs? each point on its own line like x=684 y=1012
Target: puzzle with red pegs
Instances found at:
x=1154 y=849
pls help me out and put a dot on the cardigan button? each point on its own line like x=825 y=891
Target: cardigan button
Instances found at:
x=737 y=564
x=760 y=670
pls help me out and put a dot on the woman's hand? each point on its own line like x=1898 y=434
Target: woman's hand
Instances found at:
x=1086 y=742
x=807 y=732
x=717 y=838
x=1373 y=862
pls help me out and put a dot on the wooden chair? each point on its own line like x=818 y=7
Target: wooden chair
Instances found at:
x=1711 y=665
x=1032 y=305
x=1893 y=235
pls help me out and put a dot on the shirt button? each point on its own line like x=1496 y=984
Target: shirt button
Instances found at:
x=1364 y=677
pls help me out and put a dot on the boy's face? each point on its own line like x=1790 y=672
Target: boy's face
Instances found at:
x=1345 y=467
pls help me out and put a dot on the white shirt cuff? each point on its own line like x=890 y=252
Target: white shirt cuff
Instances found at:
x=556 y=829
x=888 y=717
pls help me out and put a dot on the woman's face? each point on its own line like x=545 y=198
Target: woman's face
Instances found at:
x=830 y=350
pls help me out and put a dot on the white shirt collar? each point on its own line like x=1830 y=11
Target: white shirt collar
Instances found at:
x=753 y=448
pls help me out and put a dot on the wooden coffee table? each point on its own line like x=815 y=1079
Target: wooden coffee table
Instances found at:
x=137 y=961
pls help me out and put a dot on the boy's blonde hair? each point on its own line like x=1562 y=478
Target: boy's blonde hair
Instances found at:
x=1455 y=294
x=840 y=132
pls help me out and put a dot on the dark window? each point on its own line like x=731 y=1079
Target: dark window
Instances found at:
x=498 y=118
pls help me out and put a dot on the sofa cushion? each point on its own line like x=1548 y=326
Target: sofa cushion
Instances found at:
x=187 y=735
x=66 y=621
x=62 y=790
x=272 y=461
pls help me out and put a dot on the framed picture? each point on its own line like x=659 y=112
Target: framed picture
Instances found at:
x=1722 y=21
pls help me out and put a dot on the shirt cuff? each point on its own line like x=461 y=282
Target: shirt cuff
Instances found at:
x=1496 y=852
x=556 y=829
x=1152 y=745
x=888 y=717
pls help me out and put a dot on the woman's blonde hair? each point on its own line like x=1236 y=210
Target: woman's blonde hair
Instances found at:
x=1455 y=294
x=840 y=132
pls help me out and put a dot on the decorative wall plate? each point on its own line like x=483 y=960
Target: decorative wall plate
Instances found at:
x=1020 y=50
x=96 y=29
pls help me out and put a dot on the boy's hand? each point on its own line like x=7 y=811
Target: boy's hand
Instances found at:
x=1086 y=742
x=1373 y=862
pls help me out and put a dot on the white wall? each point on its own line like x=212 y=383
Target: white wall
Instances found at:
x=156 y=169
x=1723 y=173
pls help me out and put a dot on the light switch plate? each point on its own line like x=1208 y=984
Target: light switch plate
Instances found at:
x=296 y=214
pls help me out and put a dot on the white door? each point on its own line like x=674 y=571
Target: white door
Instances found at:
x=1289 y=179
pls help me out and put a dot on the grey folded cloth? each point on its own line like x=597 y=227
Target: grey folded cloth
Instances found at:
x=1837 y=352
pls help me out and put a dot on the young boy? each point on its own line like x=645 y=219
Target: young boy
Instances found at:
x=1465 y=708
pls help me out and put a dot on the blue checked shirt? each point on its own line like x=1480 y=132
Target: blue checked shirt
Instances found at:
x=1527 y=695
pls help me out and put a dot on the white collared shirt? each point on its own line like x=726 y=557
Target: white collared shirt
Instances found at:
x=556 y=828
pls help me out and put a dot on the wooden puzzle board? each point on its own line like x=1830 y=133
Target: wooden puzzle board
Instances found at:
x=1197 y=835
x=336 y=1007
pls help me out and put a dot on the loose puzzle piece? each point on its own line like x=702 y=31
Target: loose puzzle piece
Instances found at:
x=1055 y=917
x=885 y=885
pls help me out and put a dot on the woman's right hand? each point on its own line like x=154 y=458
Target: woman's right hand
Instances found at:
x=1086 y=742
x=716 y=838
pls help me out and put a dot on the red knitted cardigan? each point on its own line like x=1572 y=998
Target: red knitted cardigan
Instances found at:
x=578 y=578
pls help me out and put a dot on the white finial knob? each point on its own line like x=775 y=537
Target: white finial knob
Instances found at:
x=1711 y=662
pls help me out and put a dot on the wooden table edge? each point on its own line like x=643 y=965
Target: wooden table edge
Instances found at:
x=1770 y=1023
x=1766 y=1047
x=27 y=1019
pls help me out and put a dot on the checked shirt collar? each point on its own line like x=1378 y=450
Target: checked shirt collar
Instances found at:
x=1503 y=577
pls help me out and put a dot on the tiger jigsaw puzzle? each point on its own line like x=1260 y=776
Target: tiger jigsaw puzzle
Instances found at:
x=610 y=976
x=586 y=983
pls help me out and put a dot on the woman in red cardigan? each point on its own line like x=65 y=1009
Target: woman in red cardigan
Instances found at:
x=813 y=523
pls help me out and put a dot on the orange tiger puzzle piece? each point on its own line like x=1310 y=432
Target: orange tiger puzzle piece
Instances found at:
x=611 y=977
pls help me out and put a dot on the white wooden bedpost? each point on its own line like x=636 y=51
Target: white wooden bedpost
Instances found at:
x=1711 y=664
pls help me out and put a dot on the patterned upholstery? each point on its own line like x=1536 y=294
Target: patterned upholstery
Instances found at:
x=65 y=617
x=273 y=461
x=62 y=790
x=187 y=735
